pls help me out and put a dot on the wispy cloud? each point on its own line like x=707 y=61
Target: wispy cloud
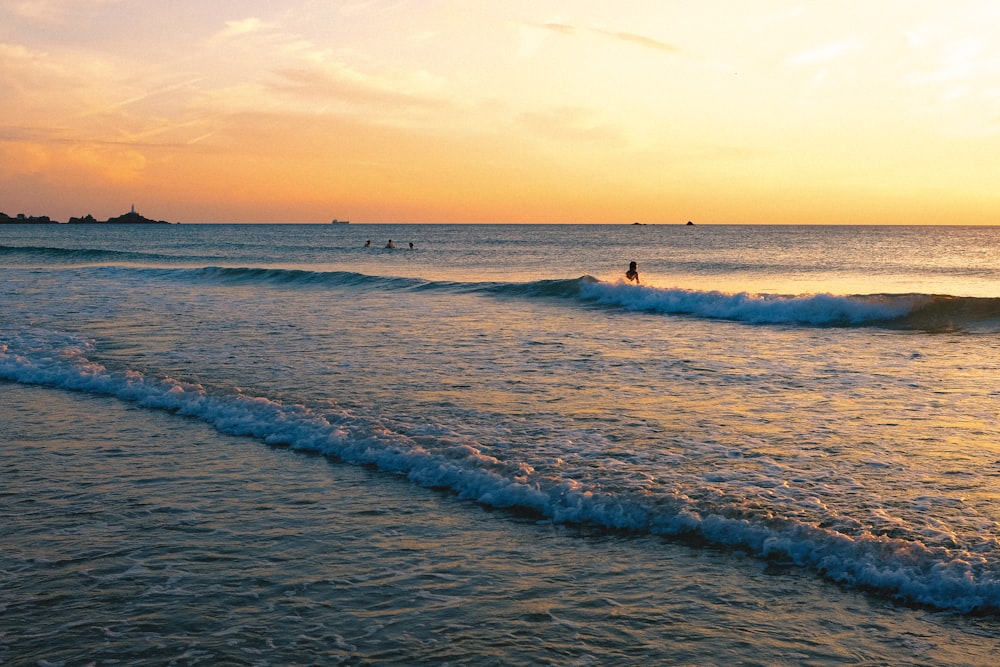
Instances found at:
x=23 y=68
x=635 y=39
x=52 y=10
x=558 y=27
x=56 y=154
x=640 y=40
x=241 y=27
x=156 y=92
x=826 y=53
x=957 y=61
x=340 y=82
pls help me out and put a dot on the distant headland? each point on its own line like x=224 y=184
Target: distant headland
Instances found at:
x=130 y=218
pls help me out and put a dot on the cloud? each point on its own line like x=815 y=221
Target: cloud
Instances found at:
x=57 y=157
x=632 y=38
x=558 y=27
x=342 y=83
x=640 y=40
x=52 y=10
x=308 y=89
x=89 y=110
x=22 y=68
x=42 y=84
x=166 y=89
x=167 y=134
x=958 y=61
x=241 y=27
x=826 y=53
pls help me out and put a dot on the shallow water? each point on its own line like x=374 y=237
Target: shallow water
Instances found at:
x=144 y=538
x=524 y=458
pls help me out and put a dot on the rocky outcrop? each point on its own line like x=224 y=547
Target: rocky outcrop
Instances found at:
x=22 y=219
x=133 y=218
x=130 y=218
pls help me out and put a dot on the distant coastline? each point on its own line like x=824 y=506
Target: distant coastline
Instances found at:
x=130 y=218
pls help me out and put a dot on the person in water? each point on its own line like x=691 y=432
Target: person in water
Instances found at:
x=390 y=245
x=632 y=273
x=368 y=243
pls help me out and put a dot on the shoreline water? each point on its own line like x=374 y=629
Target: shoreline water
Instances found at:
x=184 y=545
x=817 y=463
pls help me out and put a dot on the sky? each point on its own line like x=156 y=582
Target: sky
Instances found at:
x=521 y=111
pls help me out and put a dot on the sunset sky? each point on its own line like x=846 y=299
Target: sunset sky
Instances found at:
x=869 y=111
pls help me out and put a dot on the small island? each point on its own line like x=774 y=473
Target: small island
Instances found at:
x=130 y=218
x=22 y=219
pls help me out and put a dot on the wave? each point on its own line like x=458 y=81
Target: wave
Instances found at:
x=297 y=277
x=568 y=288
x=918 y=312
x=76 y=255
x=922 y=312
x=906 y=570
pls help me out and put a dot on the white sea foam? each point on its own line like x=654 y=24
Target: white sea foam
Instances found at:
x=815 y=309
x=907 y=569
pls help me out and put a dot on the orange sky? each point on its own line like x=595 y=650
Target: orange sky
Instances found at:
x=516 y=111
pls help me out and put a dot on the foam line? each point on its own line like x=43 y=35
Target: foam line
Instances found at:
x=907 y=570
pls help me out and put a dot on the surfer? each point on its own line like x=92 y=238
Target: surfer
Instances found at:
x=632 y=273
x=390 y=245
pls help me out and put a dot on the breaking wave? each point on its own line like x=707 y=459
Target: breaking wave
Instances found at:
x=905 y=569
x=925 y=312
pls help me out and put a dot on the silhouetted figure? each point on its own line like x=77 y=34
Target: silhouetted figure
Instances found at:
x=390 y=245
x=632 y=273
x=411 y=245
x=368 y=243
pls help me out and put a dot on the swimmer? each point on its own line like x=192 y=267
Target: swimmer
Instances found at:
x=390 y=245
x=632 y=273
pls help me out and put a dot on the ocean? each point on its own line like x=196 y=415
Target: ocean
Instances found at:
x=273 y=445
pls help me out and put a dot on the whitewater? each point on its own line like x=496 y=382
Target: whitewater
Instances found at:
x=801 y=421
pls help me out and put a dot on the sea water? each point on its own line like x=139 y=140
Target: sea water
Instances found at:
x=271 y=444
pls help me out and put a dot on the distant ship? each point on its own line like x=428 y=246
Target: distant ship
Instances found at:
x=340 y=222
